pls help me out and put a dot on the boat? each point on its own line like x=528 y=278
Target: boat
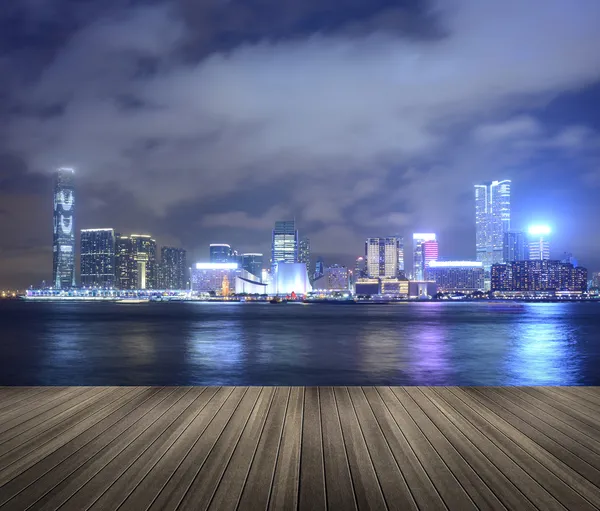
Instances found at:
x=277 y=300
x=133 y=300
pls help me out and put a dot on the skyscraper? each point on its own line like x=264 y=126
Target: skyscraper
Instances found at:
x=63 y=267
x=253 y=264
x=515 y=246
x=539 y=244
x=382 y=257
x=173 y=268
x=492 y=220
x=136 y=262
x=430 y=253
x=285 y=243
x=304 y=253
x=400 y=255
x=97 y=258
x=220 y=253
x=419 y=238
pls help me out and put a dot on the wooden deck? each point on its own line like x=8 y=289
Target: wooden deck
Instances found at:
x=308 y=448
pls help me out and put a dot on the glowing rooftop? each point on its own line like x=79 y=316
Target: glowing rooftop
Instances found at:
x=539 y=230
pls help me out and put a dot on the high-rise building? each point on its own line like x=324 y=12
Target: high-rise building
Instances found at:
x=400 y=255
x=515 y=247
x=382 y=257
x=431 y=253
x=319 y=268
x=98 y=258
x=63 y=267
x=337 y=278
x=285 y=243
x=539 y=244
x=253 y=264
x=457 y=276
x=492 y=219
x=304 y=253
x=136 y=262
x=419 y=239
x=360 y=268
x=220 y=253
x=538 y=276
x=173 y=268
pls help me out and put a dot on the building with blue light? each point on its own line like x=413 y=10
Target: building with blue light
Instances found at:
x=516 y=246
x=63 y=246
x=220 y=253
x=492 y=220
x=420 y=256
x=457 y=276
x=539 y=243
x=284 y=247
x=97 y=258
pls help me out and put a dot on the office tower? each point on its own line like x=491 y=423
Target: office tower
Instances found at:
x=457 y=276
x=382 y=257
x=515 y=247
x=538 y=276
x=319 y=268
x=492 y=219
x=304 y=252
x=430 y=253
x=419 y=239
x=360 y=268
x=400 y=255
x=285 y=243
x=173 y=268
x=337 y=278
x=63 y=266
x=539 y=244
x=253 y=264
x=220 y=253
x=97 y=258
x=136 y=262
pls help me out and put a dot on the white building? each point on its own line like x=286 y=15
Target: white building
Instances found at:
x=382 y=257
x=492 y=220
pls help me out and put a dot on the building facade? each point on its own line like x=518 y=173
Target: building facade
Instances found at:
x=220 y=253
x=381 y=255
x=457 y=276
x=515 y=247
x=173 y=268
x=97 y=258
x=337 y=278
x=538 y=276
x=492 y=220
x=224 y=279
x=253 y=264
x=63 y=246
x=284 y=246
x=136 y=262
x=539 y=243
x=419 y=239
x=304 y=253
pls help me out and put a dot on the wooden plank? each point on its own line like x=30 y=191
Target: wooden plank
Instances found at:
x=19 y=478
x=59 y=494
x=180 y=410
x=312 y=495
x=419 y=483
x=114 y=496
x=25 y=457
x=19 y=396
x=257 y=489
x=457 y=479
x=389 y=478
x=44 y=484
x=284 y=491
x=338 y=480
x=30 y=403
x=527 y=485
x=577 y=393
x=229 y=490
x=568 y=487
x=181 y=479
x=367 y=490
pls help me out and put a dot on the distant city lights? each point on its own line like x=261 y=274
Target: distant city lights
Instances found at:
x=452 y=264
x=216 y=266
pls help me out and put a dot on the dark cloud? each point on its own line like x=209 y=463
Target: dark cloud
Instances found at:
x=203 y=121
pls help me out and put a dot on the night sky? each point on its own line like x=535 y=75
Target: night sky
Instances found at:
x=203 y=121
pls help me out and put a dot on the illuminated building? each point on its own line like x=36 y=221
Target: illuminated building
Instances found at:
x=221 y=279
x=290 y=278
x=337 y=278
x=453 y=276
x=360 y=268
x=284 y=245
x=253 y=264
x=539 y=245
x=97 y=259
x=366 y=287
x=304 y=253
x=515 y=247
x=492 y=220
x=430 y=254
x=400 y=255
x=382 y=257
x=537 y=276
x=419 y=239
x=220 y=253
x=395 y=287
x=63 y=247
x=136 y=262
x=173 y=268
x=319 y=269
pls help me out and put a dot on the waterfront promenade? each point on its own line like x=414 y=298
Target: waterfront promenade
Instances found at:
x=309 y=448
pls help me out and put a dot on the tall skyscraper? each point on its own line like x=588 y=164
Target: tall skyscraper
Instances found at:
x=136 y=262
x=539 y=244
x=304 y=252
x=253 y=263
x=360 y=268
x=285 y=243
x=431 y=253
x=492 y=220
x=173 y=268
x=220 y=253
x=419 y=238
x=382 y=257
x=515 y=246
x=400 y=255
x=98 y=258
x=63 y=267
x=319 y=268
